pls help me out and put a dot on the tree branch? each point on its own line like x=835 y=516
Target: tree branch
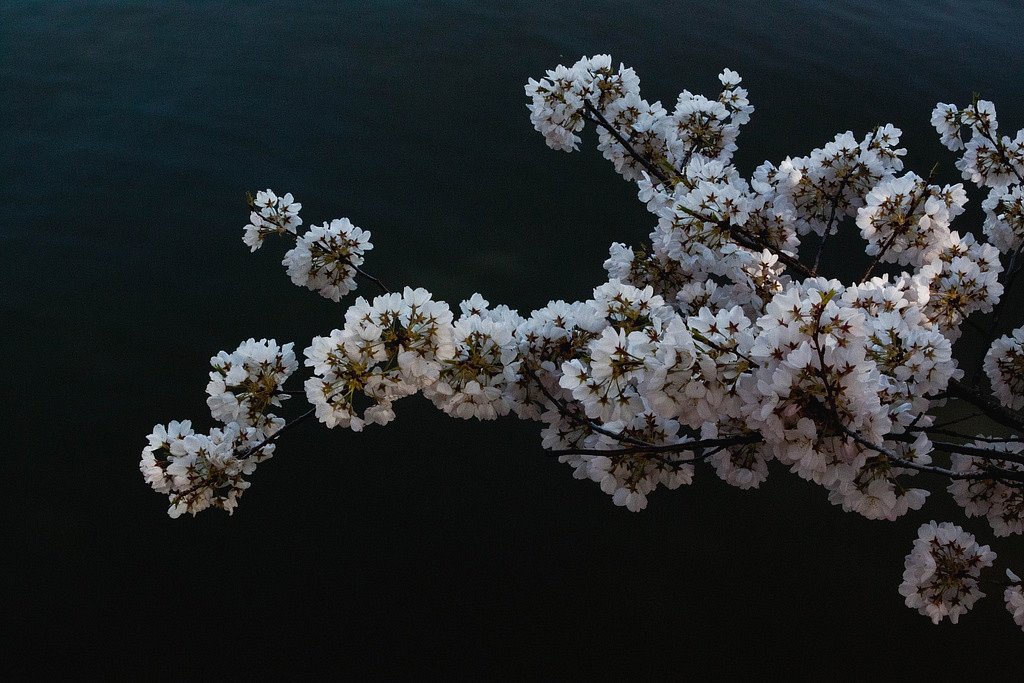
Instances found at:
x=994 y=473
x=700 y=445
x=991 y=409
x=742 y=237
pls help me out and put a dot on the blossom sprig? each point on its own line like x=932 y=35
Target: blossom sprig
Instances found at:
x=1004 y=217
x=326 y=258
x=832 y=182
x=961 y=280
x=271 y=215
x=388 y=349
x=200 y=471
x=717 y=344
x=473 y=383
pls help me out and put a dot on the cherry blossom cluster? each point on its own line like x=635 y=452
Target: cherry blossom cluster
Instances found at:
x=387 y=350
x=1004 y=217
x=629 y=478
x=906 y=220
x=271 y=215
x=833 y=181
x=941 y=575
x=1004 y=365
x=198 y=471
x=473 y=383
x=1014 y=598
x=248 y=381
x=325 y=259
x=718 y=341
x=990 y=160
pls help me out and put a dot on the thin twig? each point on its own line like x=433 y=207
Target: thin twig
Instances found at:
x=950 y=423
x=273 y=437
x=373 y=279
x=985 y=439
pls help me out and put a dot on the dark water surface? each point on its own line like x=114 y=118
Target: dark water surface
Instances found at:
x=128 y=136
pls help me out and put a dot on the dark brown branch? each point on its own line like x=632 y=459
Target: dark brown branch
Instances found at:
x=958 y=420
x=986 y=439
x=991 y=409
x=703 y=444
x=599 y=118
x=963 y=449
x=994 y=473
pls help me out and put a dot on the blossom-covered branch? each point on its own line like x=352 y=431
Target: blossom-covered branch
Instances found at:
x=713 y=342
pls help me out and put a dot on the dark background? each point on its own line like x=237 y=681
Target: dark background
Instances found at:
x=129 y=133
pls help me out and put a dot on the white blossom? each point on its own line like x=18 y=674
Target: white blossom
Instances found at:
x=558 y=101
x=198 y=471
x=699 y=126
x=961 y=279
x=629 y=477
x=989 y=159
x=164 y=443
x=549 y=337
x=607 y=385
x=946 y=120
x=914 y=359
x=388 y=349
x=814 y=384
x=744 y=466
x=832 y=181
